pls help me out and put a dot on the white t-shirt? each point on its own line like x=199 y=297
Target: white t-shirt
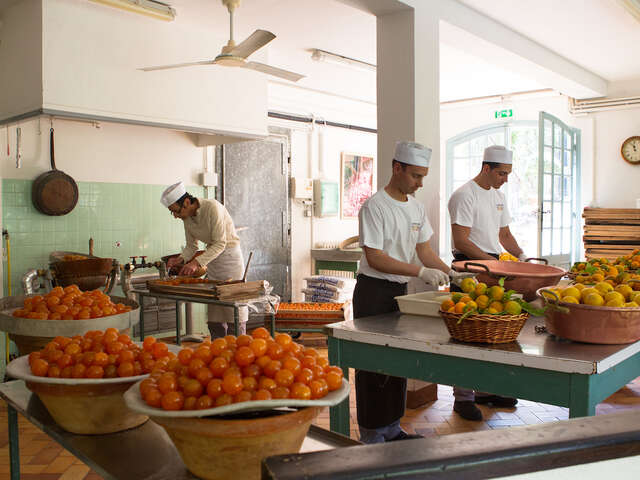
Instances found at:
x=394 y=227
x=484 y=211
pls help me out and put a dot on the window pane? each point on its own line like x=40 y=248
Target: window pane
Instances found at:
x=460 y=169
x=546 y=188
x=557 y=160
x=547 y=159
x=567 y=162
x=567 y=140
x=557 y=135
x=496 y=138
x=557 y=215
x=461 y=150
x=547 y=132
x=566 y=240
x=546 y=215
x=545 y=248
x=566 y=215
x=557 y=187
x=477 y=145
x=567 y=189
x=556 y=241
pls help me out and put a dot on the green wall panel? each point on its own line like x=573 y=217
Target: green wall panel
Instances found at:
x=130 y=215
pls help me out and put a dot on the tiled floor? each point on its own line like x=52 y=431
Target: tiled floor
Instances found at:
x=43 y=459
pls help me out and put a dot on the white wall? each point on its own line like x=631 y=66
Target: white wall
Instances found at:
x=112 y=153
x=20 y=74
x=612 y=182
x=76 y=56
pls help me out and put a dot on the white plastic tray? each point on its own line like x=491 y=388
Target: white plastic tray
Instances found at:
x=19 y=368
x=134 y=401
x=423 y=303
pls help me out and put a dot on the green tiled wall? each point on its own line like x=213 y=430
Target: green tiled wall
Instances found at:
x=109 y=213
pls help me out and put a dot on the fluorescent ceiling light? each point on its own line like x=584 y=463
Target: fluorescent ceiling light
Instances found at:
x=631 y=6
x=151 y=8
x=324 y=56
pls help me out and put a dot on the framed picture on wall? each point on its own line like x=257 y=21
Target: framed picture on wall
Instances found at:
x=356 y=182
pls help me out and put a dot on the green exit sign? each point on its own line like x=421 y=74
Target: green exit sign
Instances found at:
x=503 y=113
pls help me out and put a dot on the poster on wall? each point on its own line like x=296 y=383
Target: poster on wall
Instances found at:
x=356 y=182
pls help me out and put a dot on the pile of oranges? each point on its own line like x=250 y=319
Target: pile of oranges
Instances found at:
x=98 y=354
x=231 y=370
x=69 y=303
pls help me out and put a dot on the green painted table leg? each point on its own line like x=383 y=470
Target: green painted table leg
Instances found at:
x=339 y=415
x=14 y=446
x=581 y=401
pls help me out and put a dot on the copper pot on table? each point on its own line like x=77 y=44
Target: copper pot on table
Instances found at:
x=523 y=277
x=589 y=324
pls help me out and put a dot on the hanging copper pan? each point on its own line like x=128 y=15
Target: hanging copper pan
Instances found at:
x=54 y=192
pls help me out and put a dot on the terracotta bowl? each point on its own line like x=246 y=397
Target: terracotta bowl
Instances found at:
x=589 y=324
x=523 y=277
x=89 y=409
x=221 y=448
x=84 y=406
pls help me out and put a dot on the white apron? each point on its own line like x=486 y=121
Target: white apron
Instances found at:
x=229 y=265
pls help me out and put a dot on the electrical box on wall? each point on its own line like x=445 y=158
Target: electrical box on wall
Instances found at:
x=301 y=188
x=326 y=196
x=209 y=179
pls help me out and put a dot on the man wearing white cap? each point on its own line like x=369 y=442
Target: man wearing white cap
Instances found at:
x=479 y=227
x=393 y=227
x=208 y=221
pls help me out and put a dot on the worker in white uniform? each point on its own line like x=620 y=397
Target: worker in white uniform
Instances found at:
x=479 y=227
x=208 y=221
x=393 y=227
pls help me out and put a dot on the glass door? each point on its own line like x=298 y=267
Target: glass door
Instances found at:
x=559 y=171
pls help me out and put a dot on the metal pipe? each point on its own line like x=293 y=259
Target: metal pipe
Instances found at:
x=27 y=281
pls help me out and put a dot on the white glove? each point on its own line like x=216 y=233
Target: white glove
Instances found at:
x=522 y=257
x=457 y=277
x=433 y=276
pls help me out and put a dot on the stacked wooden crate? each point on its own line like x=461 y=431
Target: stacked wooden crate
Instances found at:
x=610 y=232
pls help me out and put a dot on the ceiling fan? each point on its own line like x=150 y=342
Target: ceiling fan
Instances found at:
x=233 y=55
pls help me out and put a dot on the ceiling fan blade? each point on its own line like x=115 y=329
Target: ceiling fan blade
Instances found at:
x=177 y=65
x=277 y=72
x=253 y=42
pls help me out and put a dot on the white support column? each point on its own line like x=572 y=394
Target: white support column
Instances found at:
x=408 y=95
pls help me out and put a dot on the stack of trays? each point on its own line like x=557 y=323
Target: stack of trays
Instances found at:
x=305 y=315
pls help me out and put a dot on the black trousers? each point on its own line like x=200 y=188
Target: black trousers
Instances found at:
x=461 y=256
x=380 y=399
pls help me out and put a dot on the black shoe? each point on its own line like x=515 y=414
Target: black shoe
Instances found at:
x=497 y=401
x=467 y=410
x=405 y=436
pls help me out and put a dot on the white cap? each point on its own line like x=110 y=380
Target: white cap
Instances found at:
x=172 y=194
x=498 y=154
x=412 y=154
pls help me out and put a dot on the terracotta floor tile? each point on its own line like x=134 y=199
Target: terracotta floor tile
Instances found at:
x=75 y=472
x=60 y=465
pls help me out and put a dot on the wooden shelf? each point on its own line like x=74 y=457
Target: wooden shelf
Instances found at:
x=610 y=232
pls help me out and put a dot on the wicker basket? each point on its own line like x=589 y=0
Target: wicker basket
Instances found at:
x=484 y=328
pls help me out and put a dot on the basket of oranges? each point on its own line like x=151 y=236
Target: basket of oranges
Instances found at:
x=250 y=396
x=485 y=314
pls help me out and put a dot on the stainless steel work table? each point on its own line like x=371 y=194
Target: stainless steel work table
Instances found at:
x=180 y=299
x=145 y=452
x=538 y=366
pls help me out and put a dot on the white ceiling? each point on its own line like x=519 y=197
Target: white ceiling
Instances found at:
x=598 y=35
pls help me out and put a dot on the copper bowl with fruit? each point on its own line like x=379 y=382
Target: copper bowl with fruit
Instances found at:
x=524 y=277
x=588 y=323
